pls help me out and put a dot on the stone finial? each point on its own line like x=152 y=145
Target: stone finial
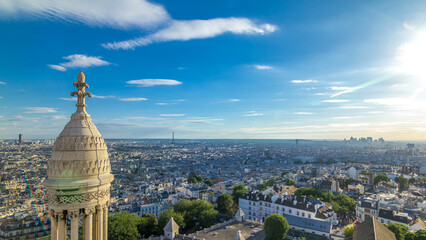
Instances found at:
x=81 y=93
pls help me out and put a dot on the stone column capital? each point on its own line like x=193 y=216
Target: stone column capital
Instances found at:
x=61 y=215
x=74 y=214
x=89 y=211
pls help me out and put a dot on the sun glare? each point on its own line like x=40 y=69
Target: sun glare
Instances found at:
x=413 y=56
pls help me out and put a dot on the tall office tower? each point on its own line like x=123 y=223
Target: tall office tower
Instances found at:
x=79 y=176
x=21 y=139
x=173 y=138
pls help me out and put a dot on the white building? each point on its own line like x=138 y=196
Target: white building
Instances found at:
x=153 y=208
x=367 y=208
x=257 y=207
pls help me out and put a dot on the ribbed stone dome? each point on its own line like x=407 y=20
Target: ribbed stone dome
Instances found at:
x=79 y=169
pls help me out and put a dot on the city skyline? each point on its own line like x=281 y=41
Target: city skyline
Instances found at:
x=220 y=70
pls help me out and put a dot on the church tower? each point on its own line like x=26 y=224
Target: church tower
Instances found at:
x=79 y=176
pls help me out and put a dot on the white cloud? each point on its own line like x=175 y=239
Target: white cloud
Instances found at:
x=132 y=99
x=110 y=13
x=153 y=82
x=163 y=104
x=262 y=67
x=69 y=99
x=102 y=97
x=304 y=81
x=321 y=94
x=253 y=114
x=3 y=83
x=335 y=101
x=408 y=26
x=234 y=100
x=337 y=118
x=340 y=88
x=390 y=101
x=57 y=67
x=40 y=110
x=79 y=61
x=303 y=113
x=173 y=115
x=195 y=29
x=353 y=107
x=201 y=120
x=59 y=117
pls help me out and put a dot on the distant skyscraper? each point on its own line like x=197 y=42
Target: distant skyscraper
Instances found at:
x=297 y=142
x=21 y=139
x=173 y=138
x=79 y=176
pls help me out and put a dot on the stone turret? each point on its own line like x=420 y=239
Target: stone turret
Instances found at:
x=171 y=229
x=79 y=175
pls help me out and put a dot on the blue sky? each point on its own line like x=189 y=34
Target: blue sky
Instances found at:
x=215 y=69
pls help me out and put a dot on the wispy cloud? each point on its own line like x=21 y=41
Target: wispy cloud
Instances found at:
x=262 y=67
x=173 y=115
x=339 y=118
x=303 y=113
x=102 y=97
x=69 y=99
x=353 y=107
x=132 y=99
x=59 y=117
x=201 y=120
x=153 y=82
x=164 y=104
x=2 y=83
x=79 y=61
x=335 y=101
x=334 y=88
x=57 y=67
x=195 y=29
x=253 y=114
x=110 y=13
x=234 y=100
x=304 y=81
x=40 y=110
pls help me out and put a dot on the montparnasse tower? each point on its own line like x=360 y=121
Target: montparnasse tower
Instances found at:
x=79 y=176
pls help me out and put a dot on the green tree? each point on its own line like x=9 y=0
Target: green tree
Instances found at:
x=238 y=191
x=412 y=180
x=380 y=178
x=208 y=182
x=346 y=202
x=207 y=217
x=148 y=225
x=420 y=235
x=349 y=231
x=261 y=186
x=195 y=178
x=290 y=182
x=398 y=229
x=402 y=182
x=349 y=181
x=276 y=227
x=165 y=217
x=123 y=226
x=224 y=203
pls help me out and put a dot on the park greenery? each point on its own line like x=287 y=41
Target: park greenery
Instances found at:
x=276 y=227
x=270 y=183
x=349 y=231
x=381 y=178
x=195 y=178
x=189 y=215
x=340 y=203
x=401 y=232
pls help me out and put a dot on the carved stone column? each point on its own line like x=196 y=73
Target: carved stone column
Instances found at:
x=88 y=223
x=99 y=217
x=53 y=225
x=62 y=226
x=105 y=222
x=74 y=215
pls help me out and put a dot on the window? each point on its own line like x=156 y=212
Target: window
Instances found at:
x=297 y=213
x=303 y=214
x=309 y=215
x=289 y=211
